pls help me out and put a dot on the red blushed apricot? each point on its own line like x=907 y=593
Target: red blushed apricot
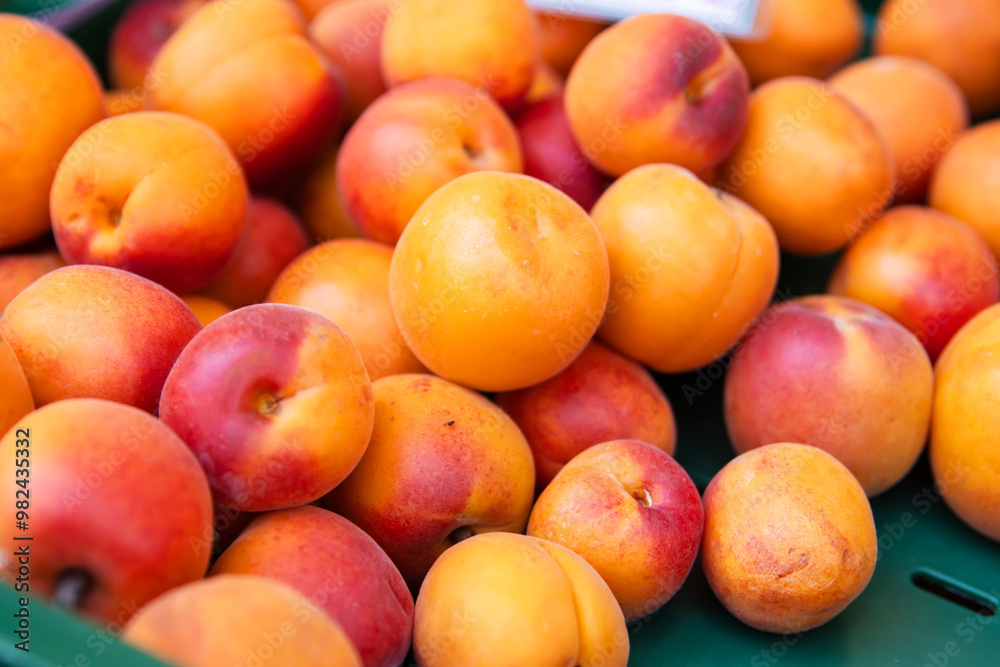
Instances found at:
x=964 y=453
x=347 y=281
x=562 y=38
x=118 y=507
x=320 y=204
x=50 y=95
x=690 y=268
x=15 y=394
x=272 y=238
x=95 y=332
x=349 y=33
x=17 y=271
x=812 y=163
x=140 y=34
x=551 y=153
x=443 y=464
x=412 y=141
x=335 y=564
x=157 y=194
x=789 y=539
x=888 y=89
x=205 y=308
x=926 y=269
x=803 y=38
x=836 y=374
x=486 y=43
x=248 y=70
x=275 y=402
x=600 y=397
x=657 y=88
x=499 y=282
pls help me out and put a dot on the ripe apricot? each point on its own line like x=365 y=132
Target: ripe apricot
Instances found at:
x=17 y=271
x=15 y=395
x=205 y=308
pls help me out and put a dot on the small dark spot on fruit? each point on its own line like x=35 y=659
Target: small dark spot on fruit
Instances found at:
x=451 y=423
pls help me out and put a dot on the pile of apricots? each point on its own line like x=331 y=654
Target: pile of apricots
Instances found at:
x=330 y=329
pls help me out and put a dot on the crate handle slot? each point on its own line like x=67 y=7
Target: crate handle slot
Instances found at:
x=955 y=591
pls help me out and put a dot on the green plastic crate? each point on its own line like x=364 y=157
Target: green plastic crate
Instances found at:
x=896 y=621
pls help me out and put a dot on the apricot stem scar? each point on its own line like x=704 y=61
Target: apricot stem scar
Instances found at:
x=72 y=587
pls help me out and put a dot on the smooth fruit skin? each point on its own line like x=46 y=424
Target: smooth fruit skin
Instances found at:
x=140 y=34
x=551 y=153
x=691 y=268
x=349 y=33
x=17 y=271
x=962 y=182
x=442 y=462
x=239 y=619
x=157 y=194
x=964 y=454
x=275 y=402
x=489 y=44
x=51 y=94
x=411 y=142
x=272 y=238
x=601 y=396
x=803 y=38
x=499 y=282
x=789 y=538
x=619 y=493
x=555 y=608
x=15 y=395
x=114 y=493
x=347 y=281
x=812 y=163
x=248 y=70
x=960 y=37
x=547 y=83
x=888 y=89
x=927 y=270
x=657 y=88
x=339 y=568
x=561 y=39
x=319 y=202
x=205 y=308
x=95 y=332
x=836 y=374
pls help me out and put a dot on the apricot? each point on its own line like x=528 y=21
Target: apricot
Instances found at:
x=485 y=43
x=320 y=204
x=50 y=95
x=443 y=464
x=556 y=609
x=138 y=37
x=236 y=619
x=15 y=394
x=157 y=194
x=248 y=70
x=349 y=33
x=802 y=37
x=339 y=568
x=964 y=454
x=812 y=163
x=926 y=269
x=789 y=538
x=347 y=281
x=690 y=268
x=95 y=332
x=600 y=397
x=272 y=238
x=412 y=141
x=836 y=374
x=499 y=282
x=959 y=37
x=657 y=88
x=205 y=308
x=962 y=184
x=888 y=89
x=275 y=402
x=116 y=503
x=121 y=101
x=17 y=271
x=546 y=83
x=562 y=38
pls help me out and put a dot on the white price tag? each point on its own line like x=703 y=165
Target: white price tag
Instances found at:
x=730 y=17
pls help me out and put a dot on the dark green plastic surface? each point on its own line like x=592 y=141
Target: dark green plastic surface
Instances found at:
x=893 y=622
